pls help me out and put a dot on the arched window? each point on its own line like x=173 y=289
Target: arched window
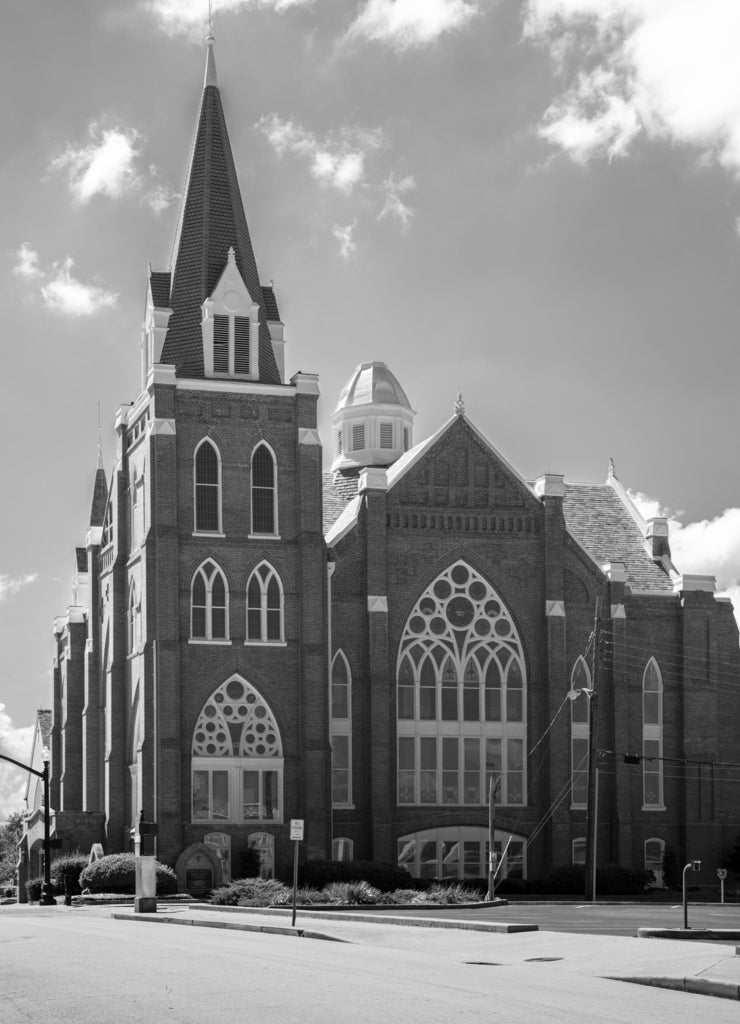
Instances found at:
x=652 y=736
x=264 y=843
x=341 y=733
x=265 y=620
x=237 y=758
x=209 y=604
x=264 y=491
x=342 y=849
x=654 y=853
x=461 y=852
x=461 y=690
x=132 y=620
x=580 y=685
x=207 y=484
x=107 y=537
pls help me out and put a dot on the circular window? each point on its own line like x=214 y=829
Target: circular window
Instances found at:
x=417 y=624
x=235 y=690
x=427 y=606
x=492 y=608
x=460 y=612
x=483 y=627
x=477 y=591
x=210 y=711
x=438 y=626
x=442 y=589
x=459 y=574
x=502 y=628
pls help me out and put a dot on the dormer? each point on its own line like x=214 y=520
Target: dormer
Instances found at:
x=156 y=320
x=373 y=421
x=230 y=327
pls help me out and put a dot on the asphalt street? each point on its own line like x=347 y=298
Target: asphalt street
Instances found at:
x=78 y=965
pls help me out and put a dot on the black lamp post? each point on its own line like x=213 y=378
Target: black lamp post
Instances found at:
x=47 y=896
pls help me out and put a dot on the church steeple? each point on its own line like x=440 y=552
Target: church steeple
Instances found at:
x=212 y=221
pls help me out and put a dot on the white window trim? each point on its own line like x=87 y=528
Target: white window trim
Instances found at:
x=263 y=584
x=196 y=531
x=342 y=727
x=654 y=733
x=234 y=766
x=218 y=571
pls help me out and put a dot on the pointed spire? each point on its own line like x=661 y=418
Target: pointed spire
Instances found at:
x=210 y=76
x=100 y=487
x=211 y=220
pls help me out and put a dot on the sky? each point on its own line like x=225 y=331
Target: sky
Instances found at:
x=536 y=202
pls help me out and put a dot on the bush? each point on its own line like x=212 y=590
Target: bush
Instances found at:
x=513 y=887
x=452 y=893
x=385 y=877
x=33 y=888
x=65 y=873
x=251 y=892
x=352 y=893
x=251 y=863
x=611 y=880
x=117 y=873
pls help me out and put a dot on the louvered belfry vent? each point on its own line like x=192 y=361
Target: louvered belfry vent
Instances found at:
x=220 y=344
x=241 y=344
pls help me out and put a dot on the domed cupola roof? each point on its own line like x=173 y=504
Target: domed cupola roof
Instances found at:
x=372 y=384
x=373 y=420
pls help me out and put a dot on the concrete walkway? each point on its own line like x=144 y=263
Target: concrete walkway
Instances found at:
x=686 y=964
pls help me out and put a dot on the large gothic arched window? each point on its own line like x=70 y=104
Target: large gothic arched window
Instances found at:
x=652 y=735
x=580 y=687
x=264 y=491
x=461 y=687
x=237 y=758
x=207 y=484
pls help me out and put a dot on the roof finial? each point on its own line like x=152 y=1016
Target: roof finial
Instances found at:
x=612 y=471
x=459 y=404
x=100 y=441
x=210 y=78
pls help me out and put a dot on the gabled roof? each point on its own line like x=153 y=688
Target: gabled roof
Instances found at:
x=211 y=220
x=600 y=520
x=338 y=491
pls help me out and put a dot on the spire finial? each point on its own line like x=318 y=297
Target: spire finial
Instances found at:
x=459 y=404
x=100 y=441
x=612 y=471
x=210 y=78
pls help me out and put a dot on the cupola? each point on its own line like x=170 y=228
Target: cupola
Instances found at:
x=373 y=422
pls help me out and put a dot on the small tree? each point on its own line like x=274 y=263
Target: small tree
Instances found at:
x=11 y=831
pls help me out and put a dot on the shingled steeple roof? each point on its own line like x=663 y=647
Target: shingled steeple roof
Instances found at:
x=211 y=220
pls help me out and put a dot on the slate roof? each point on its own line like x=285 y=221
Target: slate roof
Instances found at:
x=160 y=281
x=211 y=220
x=81 y=559
x=270 y=302
x=598 y=519
x=43 y=719
x=99 y=498
x=338 y=492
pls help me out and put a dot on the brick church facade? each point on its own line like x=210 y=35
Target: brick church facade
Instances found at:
x=254 y=639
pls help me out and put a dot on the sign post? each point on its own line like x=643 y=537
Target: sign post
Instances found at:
x=296 y=834
x=722 y=875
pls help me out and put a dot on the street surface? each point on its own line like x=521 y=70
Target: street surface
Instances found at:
x=592 y=918
x=66 y=965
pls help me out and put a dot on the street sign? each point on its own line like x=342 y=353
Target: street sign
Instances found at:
x=296 y=829
x=721 y=874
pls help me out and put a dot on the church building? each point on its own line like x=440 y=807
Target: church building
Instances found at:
x=365 y=638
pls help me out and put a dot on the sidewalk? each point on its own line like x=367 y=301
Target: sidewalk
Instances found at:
x=687 y=965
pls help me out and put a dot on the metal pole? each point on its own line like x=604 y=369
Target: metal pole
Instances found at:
x=47 y=898
x=592 y=729
x=492 y=867
x=685 y=899
x=596 y=832
x=295 y=881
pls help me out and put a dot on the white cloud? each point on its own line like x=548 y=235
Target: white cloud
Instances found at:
x=664 y=69
x=27 y=262
x=403 y=24
x=190 y=17
x=16 y=743
x=11 y=585
x=709 y=546
x=347 y=245
x=159 y=196
x=394 y=206
x=337 y=161
x=64 y=294
x=105 y=165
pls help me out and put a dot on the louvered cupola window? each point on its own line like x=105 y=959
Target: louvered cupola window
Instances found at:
x=241 y=344
x=386 y=435
x=221 y=344
x=358 y=436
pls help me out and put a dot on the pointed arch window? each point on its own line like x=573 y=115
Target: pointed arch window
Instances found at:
x=132 y=536
x=652 y=737
x=265 y=618
x=461 y=696
x=580 y=687
x=341 y=731
x=209 y=604
x=207 y=487
x=264 y=491
x=237 y=758
x=107 y=537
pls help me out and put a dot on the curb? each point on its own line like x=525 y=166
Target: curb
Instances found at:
x=696 y=986
x=299 y=933
x=728 y=935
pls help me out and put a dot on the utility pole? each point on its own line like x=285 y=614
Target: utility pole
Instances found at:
x=593 y=721
x=492 y=859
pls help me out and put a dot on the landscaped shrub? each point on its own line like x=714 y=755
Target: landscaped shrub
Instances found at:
x=404 y=897
x=385 y=877
x=352 y=893
x=33 y=888
x=611 y=880
x=452 y=893
x=251 y=892
x=117 y=873
x=308 y=896
x=65 y=873
x=513 y=887
x=251 y=863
